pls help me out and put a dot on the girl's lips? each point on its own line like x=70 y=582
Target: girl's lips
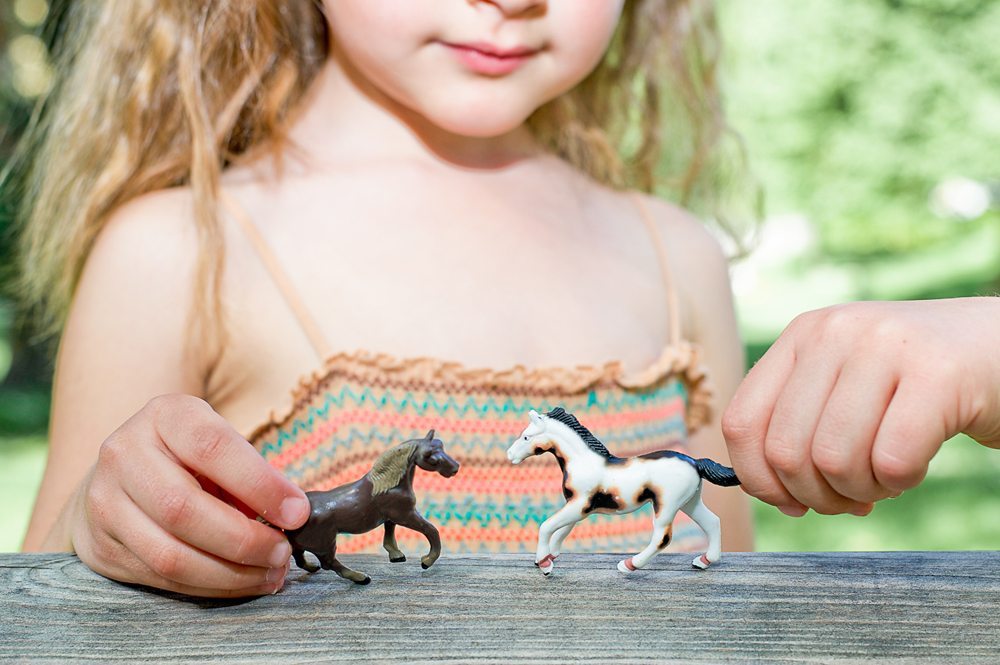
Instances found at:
x=490 y=60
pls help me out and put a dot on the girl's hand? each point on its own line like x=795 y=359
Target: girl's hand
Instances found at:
x=158 y=506
x=851 y=403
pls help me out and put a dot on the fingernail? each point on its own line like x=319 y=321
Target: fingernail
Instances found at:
x=793 y=511
x=280 y=554
x=293 y=509
x=275 y=575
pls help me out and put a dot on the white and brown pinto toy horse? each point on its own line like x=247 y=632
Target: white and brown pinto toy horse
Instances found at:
x=595 y=481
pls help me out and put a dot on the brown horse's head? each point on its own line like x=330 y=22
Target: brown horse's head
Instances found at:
x=429 y=455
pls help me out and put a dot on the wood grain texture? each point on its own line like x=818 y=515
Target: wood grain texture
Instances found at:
x=814 y=607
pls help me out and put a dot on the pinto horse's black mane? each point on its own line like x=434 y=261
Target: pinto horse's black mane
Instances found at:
x=592 y=441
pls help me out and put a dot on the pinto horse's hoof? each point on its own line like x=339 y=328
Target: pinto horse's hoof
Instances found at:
x=701 y=562
x=398 y=559
x=626 y=566
x=546 y=564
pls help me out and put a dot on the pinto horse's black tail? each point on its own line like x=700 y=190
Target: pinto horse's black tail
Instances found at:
x=716 y=473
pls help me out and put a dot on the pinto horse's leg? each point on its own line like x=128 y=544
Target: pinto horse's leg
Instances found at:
x=708 y=521
x=658 y=540
x=663 y=521
x=555 y=545
x=417 y=522
x=329 y=561
x=389 y=543
x=568 y=515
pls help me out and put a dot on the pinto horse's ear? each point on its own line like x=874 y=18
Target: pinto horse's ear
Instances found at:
x=430 y=435
x=535 y=418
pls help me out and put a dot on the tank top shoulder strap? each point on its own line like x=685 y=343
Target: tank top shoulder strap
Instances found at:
x=673 y=306
x=278 y=274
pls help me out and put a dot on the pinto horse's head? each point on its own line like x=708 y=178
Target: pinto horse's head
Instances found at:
x=524 y=446
x=429 y=455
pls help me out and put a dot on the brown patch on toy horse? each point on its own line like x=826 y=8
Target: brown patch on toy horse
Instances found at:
x=601 y=500
x=549 y=447
x=649 y=494
x=666 y=537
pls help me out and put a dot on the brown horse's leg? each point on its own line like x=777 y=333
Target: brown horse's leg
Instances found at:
x=389 y=543
x=417 y=522
x=300 y=560
x=330 y=562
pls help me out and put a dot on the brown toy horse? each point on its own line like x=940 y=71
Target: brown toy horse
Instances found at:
x=384 y=495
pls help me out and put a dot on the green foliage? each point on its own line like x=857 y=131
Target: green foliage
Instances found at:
x=856 y=109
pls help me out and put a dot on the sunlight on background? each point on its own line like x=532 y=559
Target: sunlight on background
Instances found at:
x=29 y=59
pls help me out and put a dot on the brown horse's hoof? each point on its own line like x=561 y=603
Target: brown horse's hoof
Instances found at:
x=365 y=581
x=398 y=559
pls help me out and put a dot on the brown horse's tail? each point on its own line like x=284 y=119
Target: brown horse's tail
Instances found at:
x=715 y=473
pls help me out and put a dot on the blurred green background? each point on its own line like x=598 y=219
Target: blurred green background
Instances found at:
x=873 y=126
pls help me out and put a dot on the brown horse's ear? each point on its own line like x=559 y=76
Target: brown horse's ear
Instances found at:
x=430 y=435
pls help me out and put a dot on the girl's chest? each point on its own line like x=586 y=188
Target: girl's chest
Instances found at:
x=480 y=291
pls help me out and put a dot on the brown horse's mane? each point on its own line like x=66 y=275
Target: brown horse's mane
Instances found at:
x=388 y=469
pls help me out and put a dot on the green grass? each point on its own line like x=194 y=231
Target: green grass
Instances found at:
x=955 y=508
x=22 y=461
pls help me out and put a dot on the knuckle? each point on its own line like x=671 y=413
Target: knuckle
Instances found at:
x=110 y=453
x=738 y=426
x=838 y=321
x=805 y=319
x=247 y=547
x=166 y=562
x=782 y=457
x=209 y=443
x=174 y=508
x=174 y=405
x=831 y=459
x=896 y=472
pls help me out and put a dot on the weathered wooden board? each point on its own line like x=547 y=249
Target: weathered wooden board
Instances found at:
x=822 y=607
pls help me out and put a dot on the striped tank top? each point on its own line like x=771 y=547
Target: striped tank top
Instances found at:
x=360 y=403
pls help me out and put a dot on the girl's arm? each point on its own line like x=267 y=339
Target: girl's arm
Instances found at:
x=142 y=473
x=122 y=346
x=701 y=274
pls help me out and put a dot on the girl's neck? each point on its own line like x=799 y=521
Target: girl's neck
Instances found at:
x=344 y=119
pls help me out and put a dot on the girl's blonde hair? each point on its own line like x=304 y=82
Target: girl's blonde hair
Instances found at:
x=162 y=93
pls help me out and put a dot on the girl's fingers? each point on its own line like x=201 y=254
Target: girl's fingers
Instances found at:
x=745 y=424
x=177 y=503
x=845 y=435
x=169 y=558
x=788 y=442
x=203 y=441
x=911 y=432
x=119 y=564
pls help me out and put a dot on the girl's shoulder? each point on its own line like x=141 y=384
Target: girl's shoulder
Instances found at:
x=696 y=260
x=139 y=277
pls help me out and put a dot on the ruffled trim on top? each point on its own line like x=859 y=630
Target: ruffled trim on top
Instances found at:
x=681 y=359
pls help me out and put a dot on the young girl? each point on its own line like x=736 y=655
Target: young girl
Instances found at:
x=426 y=218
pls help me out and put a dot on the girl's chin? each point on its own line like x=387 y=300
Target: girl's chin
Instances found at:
x=480 y=126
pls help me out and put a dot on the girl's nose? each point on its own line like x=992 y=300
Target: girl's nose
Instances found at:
x=517 y=8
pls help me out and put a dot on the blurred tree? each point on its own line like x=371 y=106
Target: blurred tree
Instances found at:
x=856 y=109
x=25 y=384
